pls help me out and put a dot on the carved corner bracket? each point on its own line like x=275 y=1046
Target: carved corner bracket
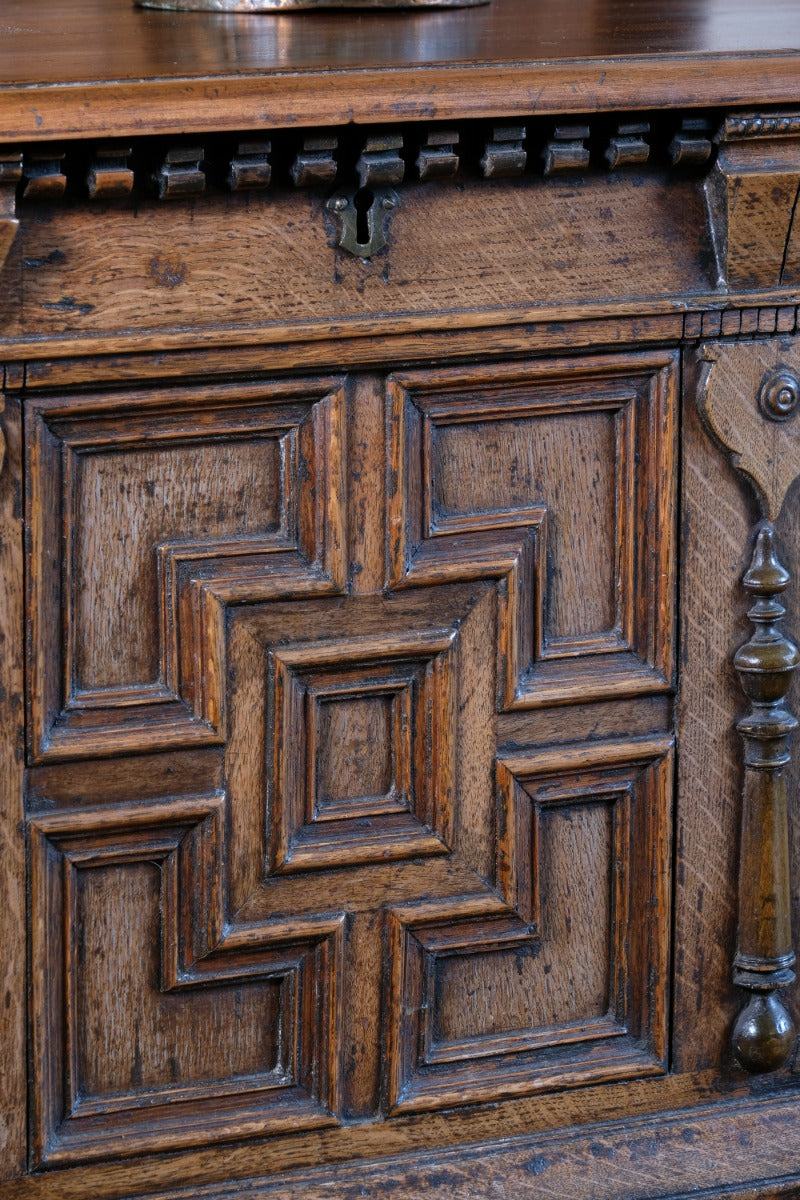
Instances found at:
x=10 y=175
x=751 y=194
x=750 y=400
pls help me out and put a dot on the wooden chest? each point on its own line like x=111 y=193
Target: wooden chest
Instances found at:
x=400 y=419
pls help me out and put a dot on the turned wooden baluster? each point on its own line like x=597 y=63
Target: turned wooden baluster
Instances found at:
x=764 y=1033
x=751 y=411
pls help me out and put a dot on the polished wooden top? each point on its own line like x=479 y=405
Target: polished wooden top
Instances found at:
x=74 y=67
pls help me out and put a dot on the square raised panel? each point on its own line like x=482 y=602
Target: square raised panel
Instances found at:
x=360 y=756
x=568 y=984
x=559 y=476
x=399 y=688
x=146 y=513
x=153 y=1027
x=363 y=748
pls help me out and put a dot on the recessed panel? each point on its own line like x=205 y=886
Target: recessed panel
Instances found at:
x=132 y=1038
x=559 y=476
x=567 y=463
x=152 y=1029
x=561 y=978
x=357 y=749
x=565 y=980
x=127 y=502
x=359 y=753
x=148 y=512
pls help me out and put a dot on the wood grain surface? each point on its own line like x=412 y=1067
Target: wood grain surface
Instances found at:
x=719 y=511
x=360 y=720
x=383 y=821
x=148 y=269
x=132 y=70
x=684 y=1156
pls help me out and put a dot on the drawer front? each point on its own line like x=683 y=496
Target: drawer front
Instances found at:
x=239 y=267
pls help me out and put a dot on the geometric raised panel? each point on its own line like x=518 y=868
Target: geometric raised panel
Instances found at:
x=146 y=512
x=180 y=1032
x=559 y=478
x=567 y=983
x=412 y=667
x=361 y=756
x=365 y=907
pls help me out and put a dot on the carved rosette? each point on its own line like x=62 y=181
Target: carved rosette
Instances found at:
x=749 y=402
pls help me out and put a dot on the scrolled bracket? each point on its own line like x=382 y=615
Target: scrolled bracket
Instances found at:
x=750 y=399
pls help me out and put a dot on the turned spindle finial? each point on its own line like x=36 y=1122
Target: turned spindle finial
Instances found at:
x=764 y=1034
x=749 y=397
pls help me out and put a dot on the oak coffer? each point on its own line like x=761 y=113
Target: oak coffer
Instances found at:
x=399 y=554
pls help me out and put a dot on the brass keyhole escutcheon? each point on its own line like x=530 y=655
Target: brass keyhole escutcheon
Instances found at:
x=363 y=218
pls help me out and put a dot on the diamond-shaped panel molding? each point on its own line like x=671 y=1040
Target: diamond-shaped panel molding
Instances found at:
x=361 y=757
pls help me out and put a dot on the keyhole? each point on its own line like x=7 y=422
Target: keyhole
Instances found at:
x=363 y=201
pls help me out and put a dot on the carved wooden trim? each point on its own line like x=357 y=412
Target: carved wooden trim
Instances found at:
x=759 y=125
x=567 y=149
x=749 y=399
x=751 y=189
x=302 y=553
x=110 y=176
x=319 y=157
x=763 y=1036
x=752 y=192
x=740 y=322
x=44 y=179
x=739 y=381
x=692 y=142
